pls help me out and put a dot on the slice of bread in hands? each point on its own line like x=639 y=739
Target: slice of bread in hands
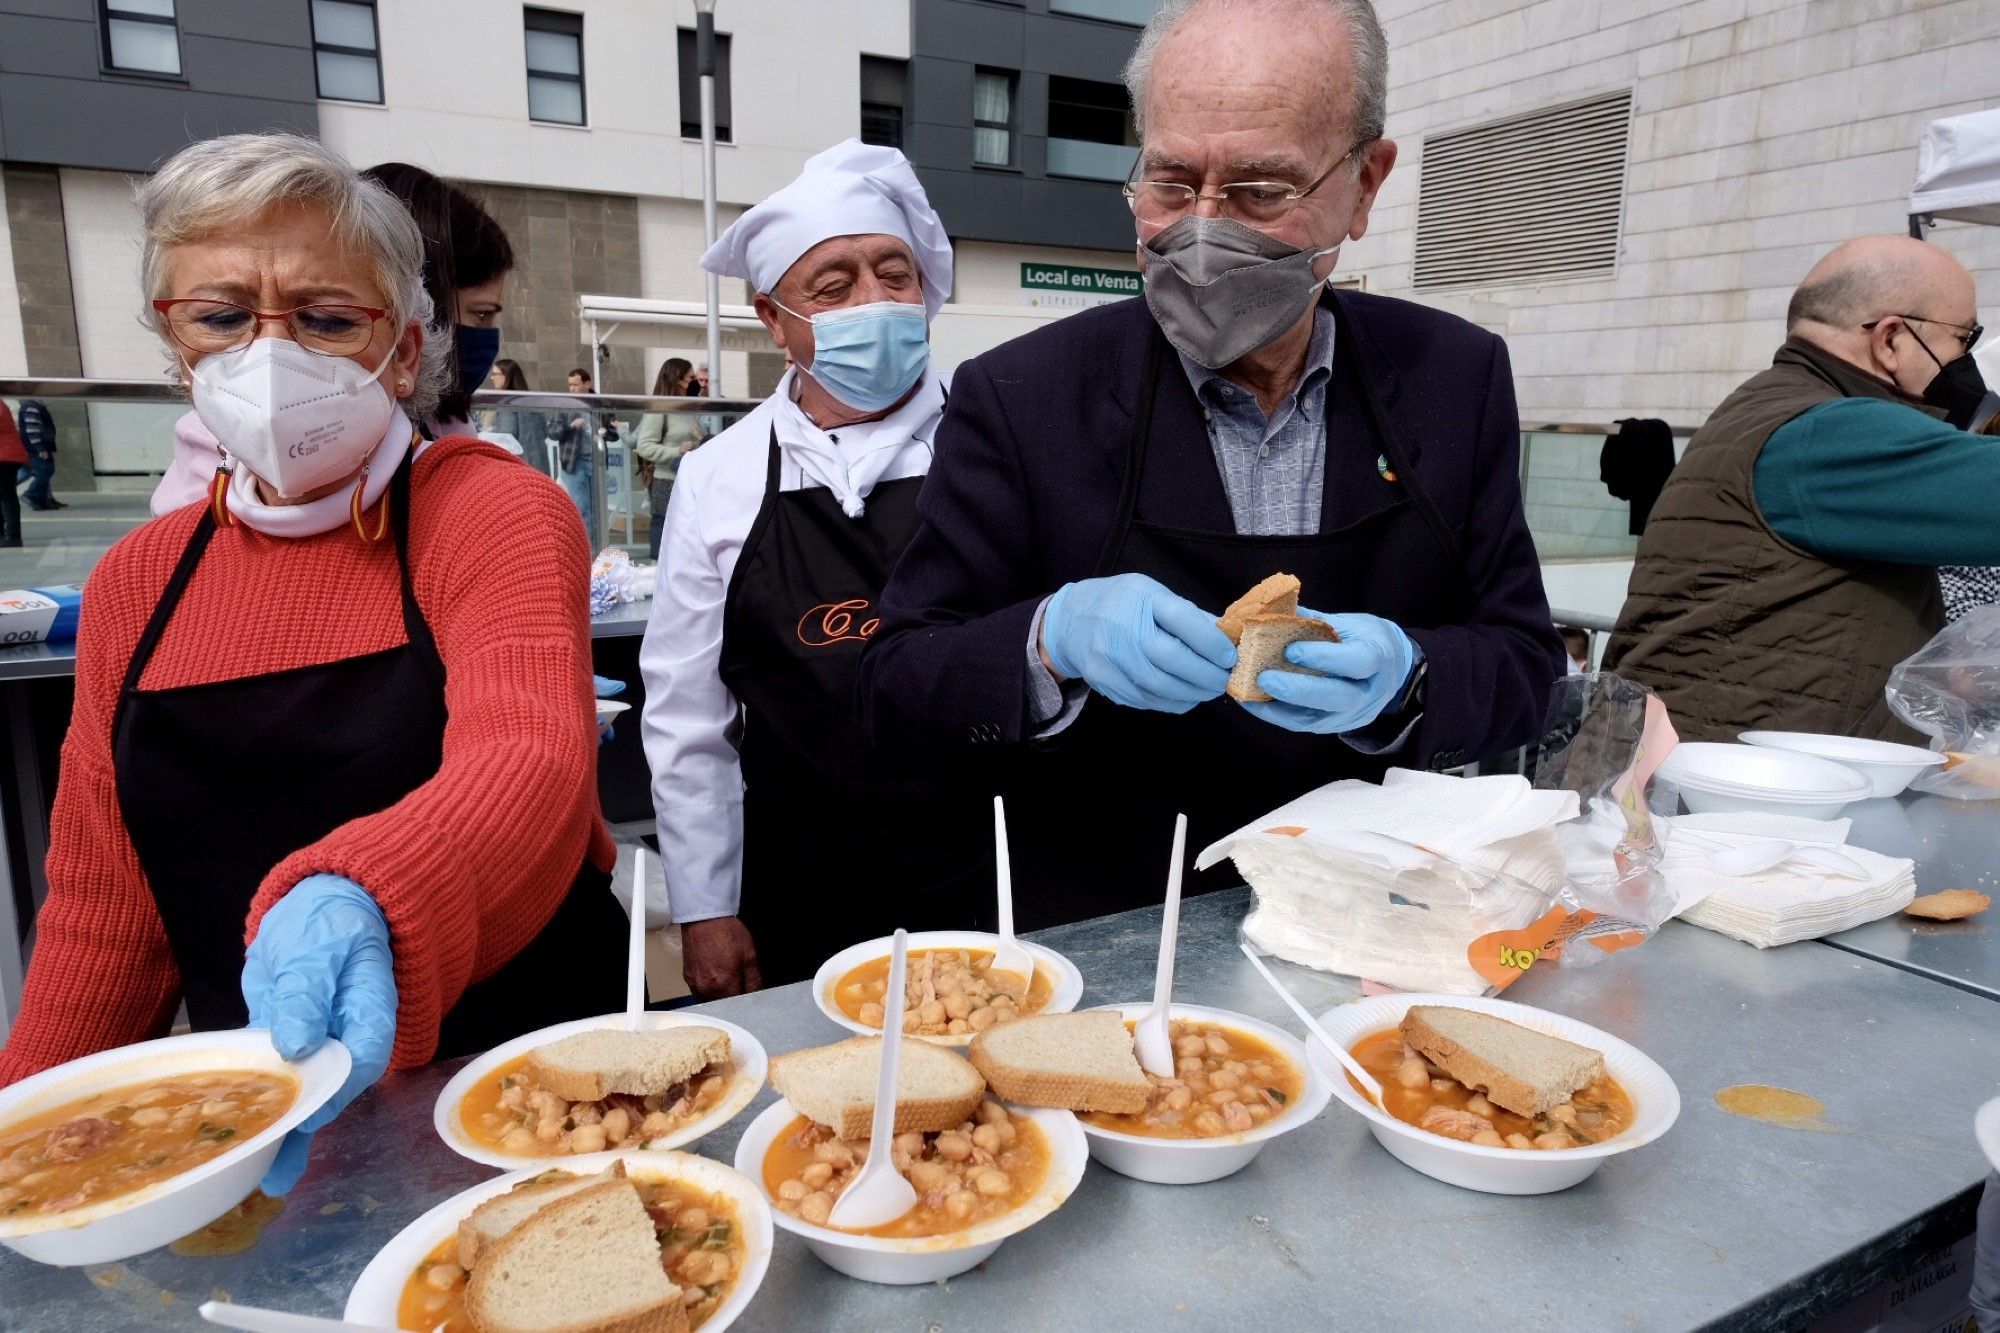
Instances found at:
x=1275 y=596
x=590 y=1066
x=1073 y=1062
x=1262 y=648
x=936 y=1089
x=1527 y=1072
x=500 y=1214
x=589 y=1263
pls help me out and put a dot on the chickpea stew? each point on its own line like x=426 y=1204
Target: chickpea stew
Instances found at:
x=1419 y=1093
x=1225 y=1082
x=124 y=1139
x=701 y=1247
x=949 y=992
x=985 y=1168
x=510 y=1112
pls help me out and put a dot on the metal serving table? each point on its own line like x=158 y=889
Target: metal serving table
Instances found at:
x=1726 y=1220
x=1956 y=845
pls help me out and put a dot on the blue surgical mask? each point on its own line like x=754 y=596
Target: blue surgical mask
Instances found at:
x=868 y=356
x=478 y=349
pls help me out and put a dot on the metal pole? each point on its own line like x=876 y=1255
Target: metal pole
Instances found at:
x=704 y=45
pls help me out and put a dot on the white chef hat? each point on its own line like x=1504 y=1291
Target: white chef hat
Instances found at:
x=851 y=189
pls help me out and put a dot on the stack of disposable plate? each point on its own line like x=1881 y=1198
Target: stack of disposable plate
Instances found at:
x=1889 y=767
x=1714 y=777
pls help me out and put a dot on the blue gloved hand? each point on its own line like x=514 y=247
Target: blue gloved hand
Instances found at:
x=604 y=687
x=1136 y=643
x=1365 y=672
x=320 y=967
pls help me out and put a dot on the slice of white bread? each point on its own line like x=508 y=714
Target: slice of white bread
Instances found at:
x=589 y=1263
x=1262 y=648
x=503 y=1212
x=936 y=1089
x=1074 y=1062
x=590 y=1066
x=1275 y=596
x=1527 y=1072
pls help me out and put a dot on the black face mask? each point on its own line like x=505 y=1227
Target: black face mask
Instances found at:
x=1958 y=387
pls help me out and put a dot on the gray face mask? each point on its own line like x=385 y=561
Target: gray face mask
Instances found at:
x=1220 y=289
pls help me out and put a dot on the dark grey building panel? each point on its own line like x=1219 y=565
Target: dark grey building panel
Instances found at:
x=245 y=65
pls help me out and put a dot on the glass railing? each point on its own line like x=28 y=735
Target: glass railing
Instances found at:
x=1571 y=513
x=115 y=439
x=1134 y=12
x=1091 y=161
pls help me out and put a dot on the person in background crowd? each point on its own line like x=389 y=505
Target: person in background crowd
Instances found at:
x=1964 y=586
x=576 y=449
x=780 y=535
x=1108 y=483
x=38 y=436
x=525 y=427
x=467 y=258
x=1792 y=558
x=1576 y=642
x=13 y=457
x=663 y=438
x=341 y=712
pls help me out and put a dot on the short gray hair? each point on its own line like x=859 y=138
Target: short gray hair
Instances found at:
x=1364 y=37
x=218 y=183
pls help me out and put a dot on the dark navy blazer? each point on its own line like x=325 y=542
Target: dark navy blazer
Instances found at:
x=1023 y=490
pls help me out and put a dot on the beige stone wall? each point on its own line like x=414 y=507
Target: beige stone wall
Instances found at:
x=1764 y=132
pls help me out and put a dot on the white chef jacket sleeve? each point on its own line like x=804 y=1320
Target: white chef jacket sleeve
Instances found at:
x=691 y=722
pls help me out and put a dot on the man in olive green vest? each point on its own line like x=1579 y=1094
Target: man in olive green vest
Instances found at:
x=1792 y=558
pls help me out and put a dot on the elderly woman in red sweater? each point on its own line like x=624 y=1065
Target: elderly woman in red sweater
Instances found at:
x=338 y=712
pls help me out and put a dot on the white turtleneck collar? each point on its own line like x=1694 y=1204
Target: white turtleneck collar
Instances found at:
x=329 y=511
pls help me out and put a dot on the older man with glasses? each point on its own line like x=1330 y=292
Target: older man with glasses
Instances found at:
x=1108 y=484
x=1792 y=558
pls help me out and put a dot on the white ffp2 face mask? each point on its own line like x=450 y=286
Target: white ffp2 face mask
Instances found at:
x=297 y=420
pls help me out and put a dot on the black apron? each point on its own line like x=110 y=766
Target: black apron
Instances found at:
x=221 y=781
x=1126 y=772
x=842 y=841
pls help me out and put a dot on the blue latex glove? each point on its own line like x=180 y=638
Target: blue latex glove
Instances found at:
x=604 y=687
x=320 y=967
x=1365 y=672
x=1136 y=643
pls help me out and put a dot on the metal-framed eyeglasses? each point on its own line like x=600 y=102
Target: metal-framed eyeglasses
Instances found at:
x=205 y=326
x=1253 y=203
x=1967 y=334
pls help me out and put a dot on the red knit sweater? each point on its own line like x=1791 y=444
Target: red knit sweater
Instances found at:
x=467 y=868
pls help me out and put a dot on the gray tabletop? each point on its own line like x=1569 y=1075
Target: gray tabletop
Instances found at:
x=626 y=618
x=1956 y=845
x=1725 y=1219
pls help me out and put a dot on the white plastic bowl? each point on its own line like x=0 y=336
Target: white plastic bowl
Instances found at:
x=1887 y=766
x=901 y=1261
x=376 y=1293
x=1198 y=1161
x=1986 y=1128
x=118 y=1228
x=609 y=709
x=1066 y=982
x=1713 y=776
x=1656 y=1102
x=745 y=1052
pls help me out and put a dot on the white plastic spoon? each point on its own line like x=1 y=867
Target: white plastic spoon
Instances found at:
x=1751 y=859
x=1010 y=956
x=255 y=1319
x=635 y=948
x=1839 y=863
x=879 y=1193
x=1353 y=1066
x=1156 y=1047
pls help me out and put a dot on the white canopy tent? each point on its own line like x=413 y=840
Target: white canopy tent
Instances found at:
x=1958 y=169
x=958 y=332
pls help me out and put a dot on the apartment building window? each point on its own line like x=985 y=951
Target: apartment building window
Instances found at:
x=883 y=92
x=690 y=69
x=555 y=66
x=346 y=50
x=140 y=36
x=1525 y=198
x=1090 y=130
x=993 y=117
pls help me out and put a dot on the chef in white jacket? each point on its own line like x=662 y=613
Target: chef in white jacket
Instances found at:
x=784 y=835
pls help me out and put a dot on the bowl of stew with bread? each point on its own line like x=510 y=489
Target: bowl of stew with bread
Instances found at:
x=122 y=1151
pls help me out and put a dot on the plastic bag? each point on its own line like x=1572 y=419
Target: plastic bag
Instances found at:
x=1949 y=689
x=613 y=579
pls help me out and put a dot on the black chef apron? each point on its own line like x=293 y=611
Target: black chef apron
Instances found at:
x=842 y=841
x=221 y=781
x=1103 y=794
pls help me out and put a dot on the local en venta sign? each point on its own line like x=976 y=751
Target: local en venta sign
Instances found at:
x=1076 y=284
